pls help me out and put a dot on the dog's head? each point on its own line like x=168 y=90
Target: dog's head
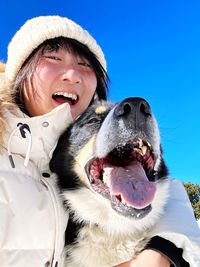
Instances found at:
x=111 y=153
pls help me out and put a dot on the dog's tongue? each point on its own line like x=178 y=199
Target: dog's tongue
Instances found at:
x=131 y=183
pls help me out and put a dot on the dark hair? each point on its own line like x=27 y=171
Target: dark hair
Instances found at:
x=72 y=45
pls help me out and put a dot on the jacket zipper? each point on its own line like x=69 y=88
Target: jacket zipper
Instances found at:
x=56 y=205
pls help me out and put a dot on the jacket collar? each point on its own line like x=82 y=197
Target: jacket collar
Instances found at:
x=45 y=131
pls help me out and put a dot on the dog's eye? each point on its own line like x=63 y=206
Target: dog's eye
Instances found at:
x=93 y=120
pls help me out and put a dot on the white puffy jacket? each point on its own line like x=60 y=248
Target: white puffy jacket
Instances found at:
x=32 y=220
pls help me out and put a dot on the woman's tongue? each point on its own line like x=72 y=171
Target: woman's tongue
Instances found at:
x=61 y=100
x=131 y=183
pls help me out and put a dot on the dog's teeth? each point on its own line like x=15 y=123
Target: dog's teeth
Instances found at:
x=140 y=143
x=138 y=150
x=144 y=149
x=106 y=179
x=148 y=144
x=123 y=201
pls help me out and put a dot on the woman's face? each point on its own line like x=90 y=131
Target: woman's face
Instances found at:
x=60 y=77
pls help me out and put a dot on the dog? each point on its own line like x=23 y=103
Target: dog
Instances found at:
x=113 y=182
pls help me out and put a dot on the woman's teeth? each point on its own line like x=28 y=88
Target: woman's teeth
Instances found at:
x=67 y=95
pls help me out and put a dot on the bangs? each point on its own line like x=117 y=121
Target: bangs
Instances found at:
x=70 y=45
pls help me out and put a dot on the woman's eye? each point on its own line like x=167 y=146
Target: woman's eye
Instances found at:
x=85 y=64
x=93 y=120
x=52 y=57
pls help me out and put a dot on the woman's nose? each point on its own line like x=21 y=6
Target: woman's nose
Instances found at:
x=71 y=74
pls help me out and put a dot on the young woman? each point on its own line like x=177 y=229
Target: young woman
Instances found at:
x=55 y=69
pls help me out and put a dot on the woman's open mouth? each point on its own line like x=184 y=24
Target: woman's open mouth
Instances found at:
x=64 y=97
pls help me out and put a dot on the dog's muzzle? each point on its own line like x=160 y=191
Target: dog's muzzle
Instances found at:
x=123 y=167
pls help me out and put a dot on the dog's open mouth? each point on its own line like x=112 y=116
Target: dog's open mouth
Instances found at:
x=124 y=175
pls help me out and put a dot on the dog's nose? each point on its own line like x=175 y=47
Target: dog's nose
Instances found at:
x=136 y=105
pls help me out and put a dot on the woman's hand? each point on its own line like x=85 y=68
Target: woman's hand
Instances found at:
x=148 y=258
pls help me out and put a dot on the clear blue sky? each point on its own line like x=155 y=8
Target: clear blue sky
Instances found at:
x=152 y=50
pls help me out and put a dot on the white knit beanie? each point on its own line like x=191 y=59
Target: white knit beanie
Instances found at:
x=37 y=30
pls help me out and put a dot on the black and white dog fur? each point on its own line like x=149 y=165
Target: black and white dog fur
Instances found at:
x=113 y=182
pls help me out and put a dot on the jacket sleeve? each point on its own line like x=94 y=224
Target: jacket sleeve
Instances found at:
x=178 y=225
x=169 y=250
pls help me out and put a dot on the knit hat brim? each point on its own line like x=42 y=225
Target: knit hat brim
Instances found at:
x=37 y=30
